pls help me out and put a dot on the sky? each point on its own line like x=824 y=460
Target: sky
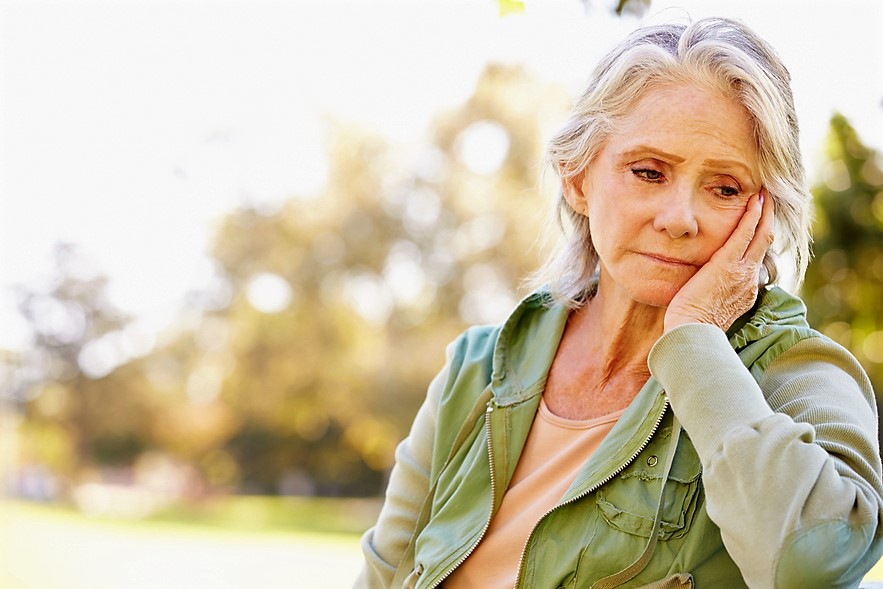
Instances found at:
x=130 y=127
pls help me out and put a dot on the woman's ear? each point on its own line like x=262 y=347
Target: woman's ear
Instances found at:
x=573 y=191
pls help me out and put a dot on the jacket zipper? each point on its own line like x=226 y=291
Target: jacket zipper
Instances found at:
x=487 y=524
x=588 y=491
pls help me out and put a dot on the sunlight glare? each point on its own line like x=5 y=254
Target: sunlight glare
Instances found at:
x=269 y=293
x=483 y=147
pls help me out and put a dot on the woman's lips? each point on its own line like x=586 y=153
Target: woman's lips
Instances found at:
x=669 y=261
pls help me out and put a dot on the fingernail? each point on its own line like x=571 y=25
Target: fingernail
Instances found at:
x=761 y=197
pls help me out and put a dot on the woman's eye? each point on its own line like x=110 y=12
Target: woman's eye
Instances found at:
x=728 y=191
x=647 y=174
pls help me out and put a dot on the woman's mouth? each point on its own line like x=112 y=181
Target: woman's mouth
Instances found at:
x=669 y=261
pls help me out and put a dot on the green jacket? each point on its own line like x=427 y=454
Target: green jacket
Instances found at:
x=775 y=480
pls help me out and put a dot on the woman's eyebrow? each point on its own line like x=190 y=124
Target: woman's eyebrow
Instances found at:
x=643 y=150
x=715 y=163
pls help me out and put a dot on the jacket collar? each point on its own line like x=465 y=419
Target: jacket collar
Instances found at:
x=520 y=367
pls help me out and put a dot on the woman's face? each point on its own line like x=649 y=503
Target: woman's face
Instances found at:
x=667 y=190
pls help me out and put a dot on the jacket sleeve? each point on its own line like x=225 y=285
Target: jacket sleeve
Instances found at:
x=791 y=464
x=385 y=544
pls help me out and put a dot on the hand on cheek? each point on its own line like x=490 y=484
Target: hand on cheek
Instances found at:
x=726 y=286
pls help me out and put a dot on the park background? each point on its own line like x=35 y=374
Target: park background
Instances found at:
x=235 y=238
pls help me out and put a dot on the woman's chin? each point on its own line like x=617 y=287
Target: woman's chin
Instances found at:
x=655 y=293
x=651 y=288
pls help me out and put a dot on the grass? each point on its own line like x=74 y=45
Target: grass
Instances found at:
x=224 y=544
x=279 y=514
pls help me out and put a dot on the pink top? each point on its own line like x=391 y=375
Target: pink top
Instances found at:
x=553 y=455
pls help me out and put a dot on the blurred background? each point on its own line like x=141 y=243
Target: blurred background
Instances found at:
x=235 y=238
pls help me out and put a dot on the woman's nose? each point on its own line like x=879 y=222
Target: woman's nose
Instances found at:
x=676 y=215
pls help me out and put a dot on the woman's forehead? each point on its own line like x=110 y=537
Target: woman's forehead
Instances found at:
x=683 y=121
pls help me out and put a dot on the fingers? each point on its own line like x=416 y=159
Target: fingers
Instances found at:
x=737 y=246
x=763 y=235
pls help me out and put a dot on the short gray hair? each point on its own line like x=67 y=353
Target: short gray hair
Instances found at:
x=719 y=54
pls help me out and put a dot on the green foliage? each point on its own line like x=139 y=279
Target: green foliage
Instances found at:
x=635 y=7
x=510 y=7
x=844 y=283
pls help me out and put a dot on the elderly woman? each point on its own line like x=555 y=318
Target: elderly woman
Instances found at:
x=659 y=414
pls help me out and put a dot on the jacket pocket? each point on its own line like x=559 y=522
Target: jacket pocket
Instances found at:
x=676 y=581
x=628 y=502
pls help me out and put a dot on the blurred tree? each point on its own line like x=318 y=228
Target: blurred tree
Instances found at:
x=80 y=411
x=302 y=365
x=342 y=302
x=844 y=284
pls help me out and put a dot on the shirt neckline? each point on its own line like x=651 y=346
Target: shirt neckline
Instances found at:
x=556 y=420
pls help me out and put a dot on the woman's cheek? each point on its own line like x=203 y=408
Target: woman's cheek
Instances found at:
x=722 y=218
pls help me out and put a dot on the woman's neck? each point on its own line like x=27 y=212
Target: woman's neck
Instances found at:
x=619 y=330
x=601 y=362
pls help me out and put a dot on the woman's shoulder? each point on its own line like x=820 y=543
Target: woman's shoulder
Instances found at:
x=819 y=363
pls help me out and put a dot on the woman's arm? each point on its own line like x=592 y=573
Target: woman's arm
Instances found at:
x=791 y=465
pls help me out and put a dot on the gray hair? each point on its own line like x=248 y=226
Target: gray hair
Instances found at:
x=719 y=54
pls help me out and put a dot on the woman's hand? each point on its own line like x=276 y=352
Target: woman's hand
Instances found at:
x=726 y=286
